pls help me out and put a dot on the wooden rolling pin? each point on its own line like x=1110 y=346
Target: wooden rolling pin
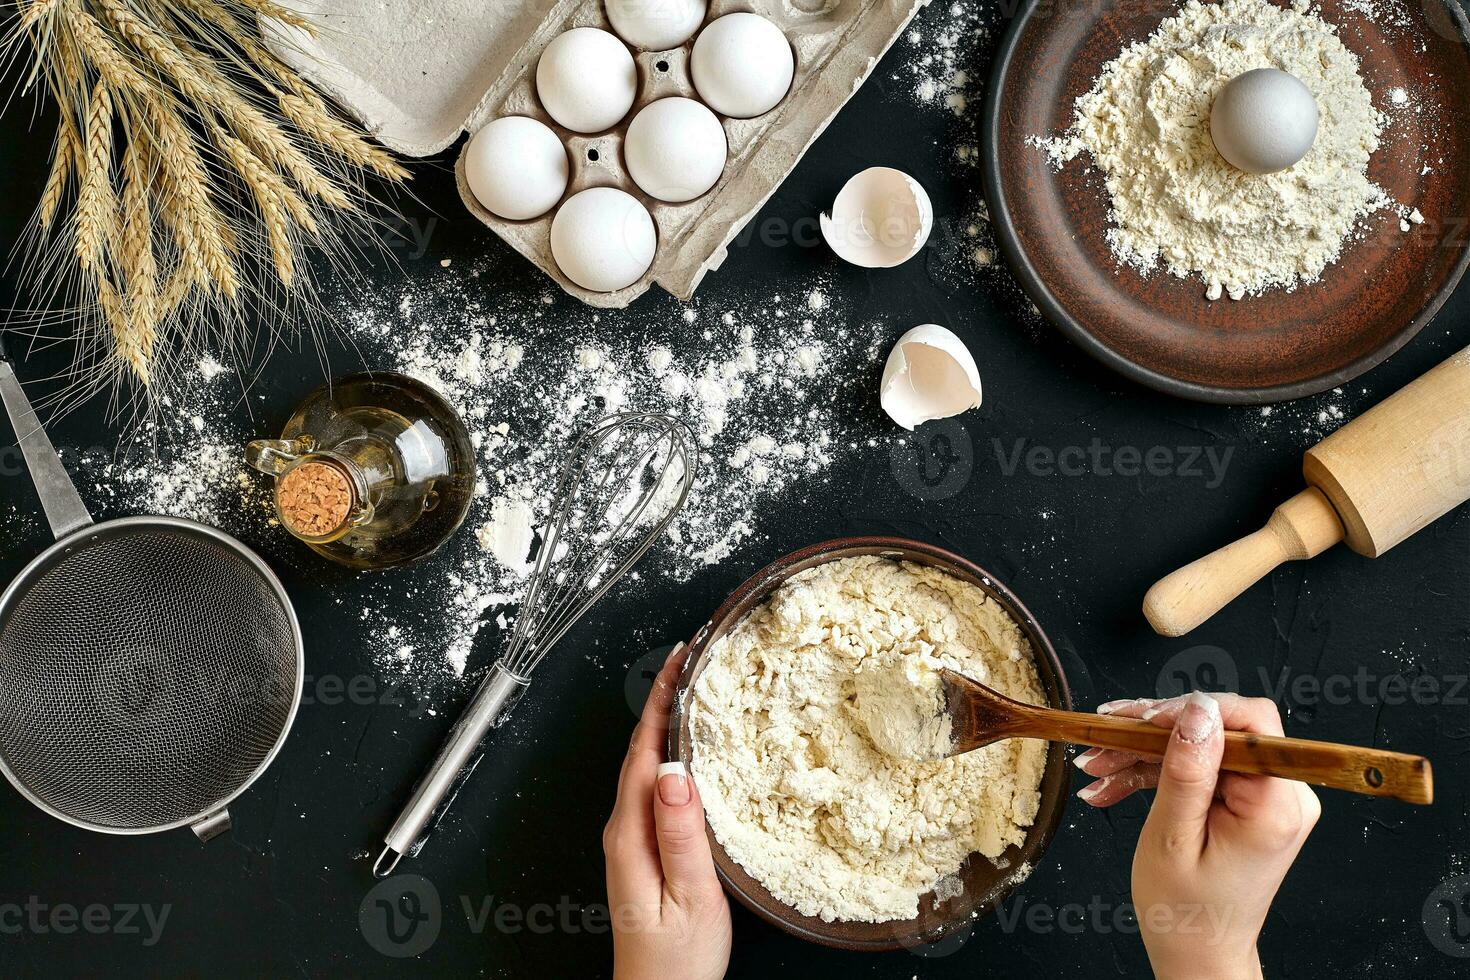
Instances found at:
x=1372 y=483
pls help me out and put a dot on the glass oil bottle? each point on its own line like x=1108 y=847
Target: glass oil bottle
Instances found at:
x=373 y=471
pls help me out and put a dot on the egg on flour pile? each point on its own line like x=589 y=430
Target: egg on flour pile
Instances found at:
x=794 y=788
x=1176 y=201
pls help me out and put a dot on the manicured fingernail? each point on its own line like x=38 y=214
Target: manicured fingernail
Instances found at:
x=1111 y=706
x=678 y=651
x=1084 y=758
x=673 y=784
x=1162 y=706
x=1199 y=720
x=1086 y=793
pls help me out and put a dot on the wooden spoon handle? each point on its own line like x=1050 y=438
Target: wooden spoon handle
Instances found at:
x=1374 y=772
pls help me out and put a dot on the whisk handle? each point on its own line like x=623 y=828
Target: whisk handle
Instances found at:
x=461 y=753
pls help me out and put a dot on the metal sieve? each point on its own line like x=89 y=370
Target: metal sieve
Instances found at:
x=150 y=667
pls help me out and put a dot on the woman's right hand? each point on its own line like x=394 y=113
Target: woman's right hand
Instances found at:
x=1216 y=845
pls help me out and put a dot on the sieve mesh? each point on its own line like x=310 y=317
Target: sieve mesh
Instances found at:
x=146 y=675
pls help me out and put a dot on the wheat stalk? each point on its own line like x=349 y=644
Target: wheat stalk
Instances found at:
x=202 y=164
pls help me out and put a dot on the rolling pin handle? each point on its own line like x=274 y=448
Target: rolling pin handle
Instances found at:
x=1303 y=527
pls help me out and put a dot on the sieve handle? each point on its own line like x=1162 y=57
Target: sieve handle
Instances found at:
x=456 y=762
x=207 y=828
x=64 y=508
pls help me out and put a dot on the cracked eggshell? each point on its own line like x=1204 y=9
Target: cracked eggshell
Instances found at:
x=881 y=219
x=929 y=375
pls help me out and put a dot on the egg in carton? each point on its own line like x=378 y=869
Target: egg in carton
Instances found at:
x=419 y=75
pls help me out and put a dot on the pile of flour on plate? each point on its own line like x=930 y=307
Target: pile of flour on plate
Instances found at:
x=1175 y=201
x=792 y=783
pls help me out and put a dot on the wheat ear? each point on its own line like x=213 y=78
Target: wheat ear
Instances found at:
x=135 y=344
x=67 y=150
x=36 y=11
x=277 y=12
x=205 y=85
x=96 y=200
x=273 y=213
x=313 y=119
x=97 y=47
x=187 y=207
x=300 y=104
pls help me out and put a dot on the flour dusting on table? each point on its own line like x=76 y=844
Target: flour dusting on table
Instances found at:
x=768 y=386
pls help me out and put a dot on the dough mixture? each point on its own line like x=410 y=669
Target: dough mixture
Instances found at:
x=793 y=784
x=1175 y=201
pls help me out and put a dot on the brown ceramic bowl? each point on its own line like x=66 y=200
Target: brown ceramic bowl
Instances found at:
x=985 y=885
x=1161 y=330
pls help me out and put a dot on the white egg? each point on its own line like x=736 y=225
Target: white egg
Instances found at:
x=881 y=218
x=742 y=65
x=656 y=25
x=517 y=168
x=603 y=239
x=586 y=80
x=930 y=374
x=675 y=149
x=1264 y=121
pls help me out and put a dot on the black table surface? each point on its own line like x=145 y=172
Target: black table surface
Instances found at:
x=513 y=885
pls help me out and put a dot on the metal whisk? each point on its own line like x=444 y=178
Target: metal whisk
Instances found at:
x=622 y=485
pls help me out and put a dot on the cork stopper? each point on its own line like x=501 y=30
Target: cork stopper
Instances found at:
x=314 y=500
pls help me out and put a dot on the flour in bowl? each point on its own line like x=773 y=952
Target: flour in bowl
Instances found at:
x=793 y=785
x=1175 y=201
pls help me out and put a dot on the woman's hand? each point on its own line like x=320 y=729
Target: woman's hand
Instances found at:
x=669 y=914
x=1216 y=845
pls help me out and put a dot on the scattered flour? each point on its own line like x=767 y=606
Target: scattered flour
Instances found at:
x=794 y=787
x=765 y=384
x=942 y=44
x=187 y=460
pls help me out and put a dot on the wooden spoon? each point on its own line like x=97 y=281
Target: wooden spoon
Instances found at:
x=980 y=716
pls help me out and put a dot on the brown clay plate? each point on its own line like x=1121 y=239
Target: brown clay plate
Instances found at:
x=1160 y=330
x=985 y=884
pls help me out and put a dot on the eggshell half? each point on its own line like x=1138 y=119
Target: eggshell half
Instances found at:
x=881 y=219
x=929 y=375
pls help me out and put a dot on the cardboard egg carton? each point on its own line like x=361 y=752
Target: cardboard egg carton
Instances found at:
x=420 y=74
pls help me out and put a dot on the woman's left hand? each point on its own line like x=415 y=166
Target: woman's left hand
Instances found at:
x=670 y=917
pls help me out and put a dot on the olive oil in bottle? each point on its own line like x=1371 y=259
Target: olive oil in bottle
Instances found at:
x=373 y=471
